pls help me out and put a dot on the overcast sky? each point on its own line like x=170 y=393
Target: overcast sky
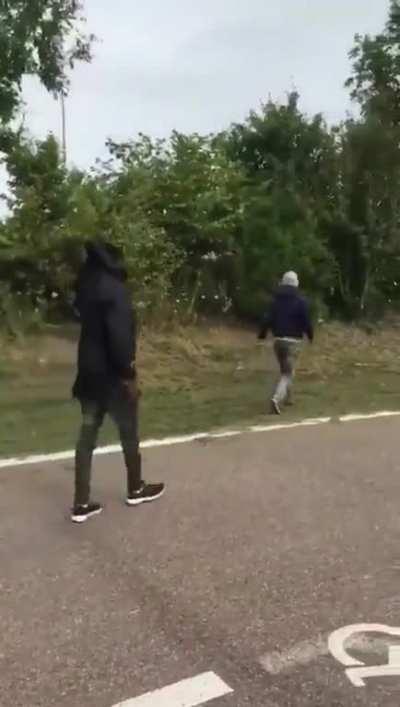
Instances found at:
x=198 y=66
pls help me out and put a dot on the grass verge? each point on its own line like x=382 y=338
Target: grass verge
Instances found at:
x=196 y=379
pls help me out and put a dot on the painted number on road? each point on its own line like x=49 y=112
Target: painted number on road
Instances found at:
x=357 y=671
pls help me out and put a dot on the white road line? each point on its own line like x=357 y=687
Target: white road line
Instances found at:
x=311 y=422
x=187 y=693
x=187 y=439
x=369 y=416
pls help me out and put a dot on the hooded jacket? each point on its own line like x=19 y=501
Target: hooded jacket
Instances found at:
x=107 y=345
x=288 y=316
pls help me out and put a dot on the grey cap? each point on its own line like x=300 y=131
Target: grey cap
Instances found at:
x=290 y=279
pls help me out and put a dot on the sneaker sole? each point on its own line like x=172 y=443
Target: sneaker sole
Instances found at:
x=275 y=409
x=138 y=502
x=83 y=519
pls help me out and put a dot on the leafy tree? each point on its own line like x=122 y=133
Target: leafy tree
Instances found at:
x=54 y=211
x=280 y=233
x=34 y=36
x=375 y=81
x=209 y=222
x=365 y=218
x=191 y=190
x=281 y=145
x=34 y=254
x=185 y=185
x=290 y=162
x=366 y=233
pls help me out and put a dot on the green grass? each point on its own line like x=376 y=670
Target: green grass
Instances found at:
x=196 y=380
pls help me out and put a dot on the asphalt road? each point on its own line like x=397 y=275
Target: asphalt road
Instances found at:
x=262 y=547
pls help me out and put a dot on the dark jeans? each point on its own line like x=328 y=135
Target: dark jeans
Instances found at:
x=122 y=407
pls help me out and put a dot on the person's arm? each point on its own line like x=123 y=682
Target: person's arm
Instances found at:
x=75 y=310
x=265 y=326
x=308 y=325
x=75 y=304
x=120 y=330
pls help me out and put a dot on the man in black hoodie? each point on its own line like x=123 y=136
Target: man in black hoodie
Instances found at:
x=289 y=321
x=107 y=379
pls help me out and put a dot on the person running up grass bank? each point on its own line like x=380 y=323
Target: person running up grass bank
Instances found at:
x=289 y=321
x=107 y=380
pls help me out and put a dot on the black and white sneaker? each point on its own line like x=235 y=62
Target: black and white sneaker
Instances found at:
x=148 y=493
x=80 y=514
x=275 y=409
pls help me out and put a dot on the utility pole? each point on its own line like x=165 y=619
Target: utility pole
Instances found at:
x=64 y=127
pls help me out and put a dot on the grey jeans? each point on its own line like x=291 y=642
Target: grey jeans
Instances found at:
x=123 y=410
x=286 y=352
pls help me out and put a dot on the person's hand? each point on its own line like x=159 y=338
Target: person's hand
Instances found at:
x=132 y=386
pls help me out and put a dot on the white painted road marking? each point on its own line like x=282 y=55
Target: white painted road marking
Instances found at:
x=369 y=416
x=154 y=443
x=186 y=439
x=357 y=675
x=187 y=693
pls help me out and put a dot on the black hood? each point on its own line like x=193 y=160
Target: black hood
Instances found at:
x=107 y=256
x=287 y=291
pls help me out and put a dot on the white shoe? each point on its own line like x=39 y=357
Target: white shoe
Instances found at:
x=275 y=409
